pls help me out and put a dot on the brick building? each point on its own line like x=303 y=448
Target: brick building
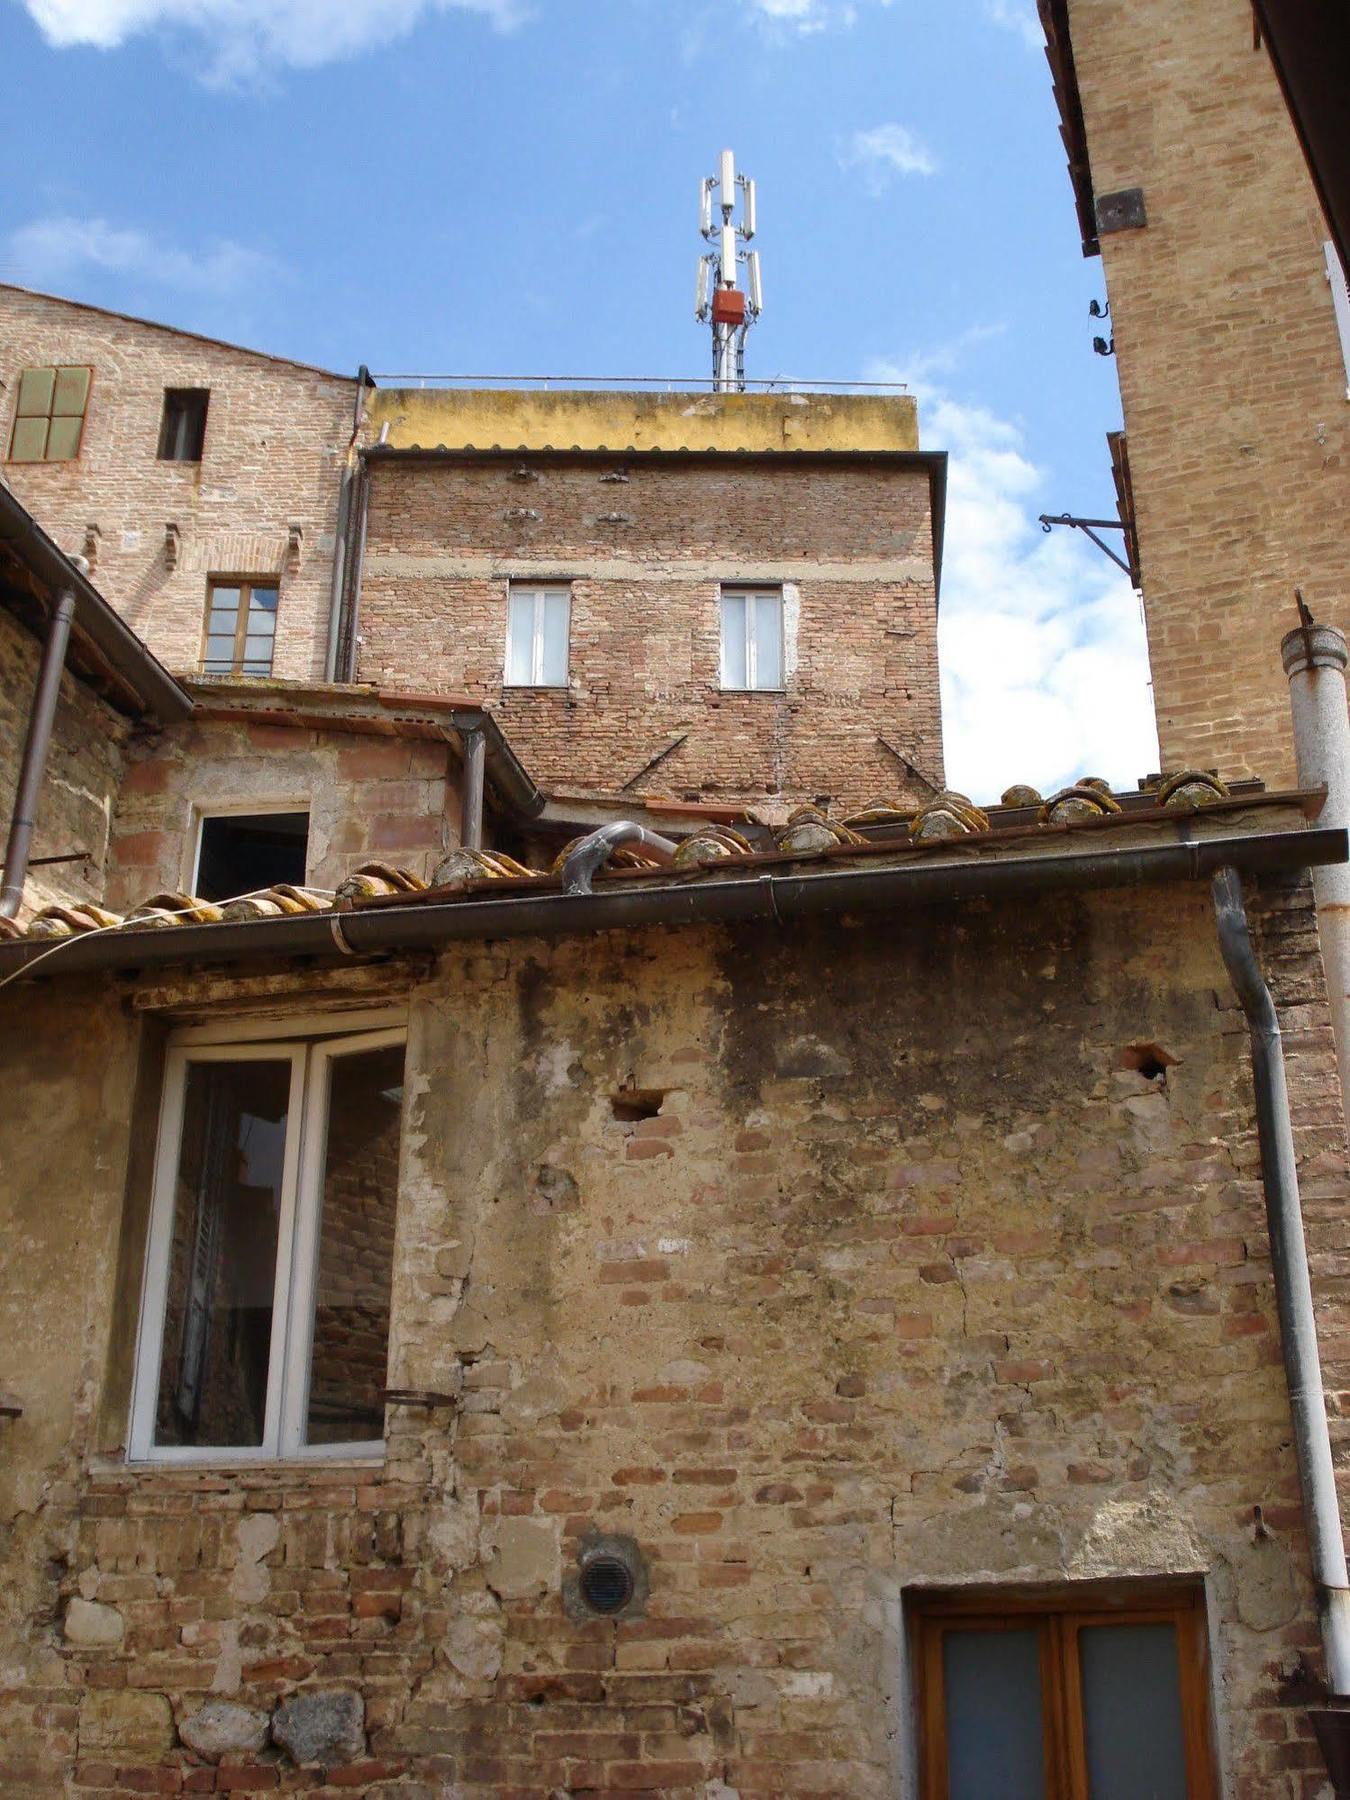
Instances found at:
x=827 y=1286
x=181 y=469
x=1231 y=328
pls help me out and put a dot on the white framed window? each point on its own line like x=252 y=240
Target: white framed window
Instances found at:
x=752 y=638
x=264 y=1327
x=1340 y=296
x=538 y=622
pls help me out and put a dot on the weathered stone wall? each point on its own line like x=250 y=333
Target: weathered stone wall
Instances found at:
x=84 y=767
x=1231 y=373
x=851 y=545
x=369 y=798
x=903 y=1279
x=276 y=434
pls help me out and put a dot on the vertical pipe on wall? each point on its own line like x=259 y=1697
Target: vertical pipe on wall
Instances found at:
x=31 y=770
x=474 y=743
x=1314 y=658
x=344 y=519
x=1293 y=1285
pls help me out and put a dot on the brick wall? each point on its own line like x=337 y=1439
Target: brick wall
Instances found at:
x=276 y=434
x=851 y=544
x=369 y=799
x=1231 y=372
x=84 y=767
x=903 y=1280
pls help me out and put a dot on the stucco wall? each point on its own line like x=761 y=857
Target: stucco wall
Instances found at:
x=646 y=549
x=276 y=435
x=1232 y=377
x=906 y=1281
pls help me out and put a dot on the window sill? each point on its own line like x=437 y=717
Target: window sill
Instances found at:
x=289 y=1470
x=536 y=687
x=775 y=693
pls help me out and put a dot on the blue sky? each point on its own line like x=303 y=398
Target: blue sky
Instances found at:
x=509 y=187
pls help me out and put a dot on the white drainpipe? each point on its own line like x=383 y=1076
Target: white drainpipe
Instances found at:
x=1314 y=658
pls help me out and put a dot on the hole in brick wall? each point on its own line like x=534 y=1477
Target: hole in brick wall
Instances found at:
x=1148 y=1060
x=631 y=1104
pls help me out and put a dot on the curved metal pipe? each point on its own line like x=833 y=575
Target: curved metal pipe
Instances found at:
x=1293 y=1287
x=34 y=765
x=594 y=852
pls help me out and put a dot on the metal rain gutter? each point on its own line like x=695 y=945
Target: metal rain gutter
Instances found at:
x=625 y=905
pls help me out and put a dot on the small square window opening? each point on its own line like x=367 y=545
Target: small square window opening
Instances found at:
x=538 y=621
x=269 y=1265
x=752 y=639
x=49 y=413
x=243 y=853
x=241 y=627
x=182 y=431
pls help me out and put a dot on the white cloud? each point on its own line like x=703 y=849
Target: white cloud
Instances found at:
x=1019 y=17
x=245 y=39
x=885 y=151
x=805 y=17
x=53 y=251
x=1045 y=673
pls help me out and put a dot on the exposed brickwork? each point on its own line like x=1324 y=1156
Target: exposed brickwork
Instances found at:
x=390 y=799
x=851 y=543
x=1231 y=372
x=886 y=1292
x=84 y=768
x=276 y=434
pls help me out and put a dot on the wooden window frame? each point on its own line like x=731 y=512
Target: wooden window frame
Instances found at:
x=751 y=593
x=1059 y=1614
x=246 y=585
x=289 y=1358
x=45 y=461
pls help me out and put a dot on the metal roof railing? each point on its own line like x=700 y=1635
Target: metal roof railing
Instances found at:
x=673 y=384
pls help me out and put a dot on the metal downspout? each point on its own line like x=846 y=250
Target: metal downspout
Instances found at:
x=1293 y=1288
x=344 y=519
x=31 y=770
x=474 y=743
x=362 y=484
x=594 y=852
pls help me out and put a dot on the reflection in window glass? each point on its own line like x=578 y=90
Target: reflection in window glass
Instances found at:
x=752 y=639
x=538 y=622
x=222 y=1269
x=995 y=1740
x=241 y=626
x=350 y=1347
x=1132 y=1712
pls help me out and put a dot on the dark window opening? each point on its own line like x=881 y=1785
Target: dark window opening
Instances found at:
x=182 y=434
x=242 y=853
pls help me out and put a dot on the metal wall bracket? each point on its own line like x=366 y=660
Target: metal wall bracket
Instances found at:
x=1090 y=528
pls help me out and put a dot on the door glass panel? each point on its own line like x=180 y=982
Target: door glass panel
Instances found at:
x=222 y=1260
x=1132 y=1712
x=350 y=1352
x=995 y=1741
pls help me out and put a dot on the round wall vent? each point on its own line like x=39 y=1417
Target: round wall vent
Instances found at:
x=606 y=1584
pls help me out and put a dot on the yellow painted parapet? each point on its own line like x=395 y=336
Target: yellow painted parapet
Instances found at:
x=628 y=419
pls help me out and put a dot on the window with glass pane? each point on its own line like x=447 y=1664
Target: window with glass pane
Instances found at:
x=537 y=626
x=241 y=628
x=1103 y=1697
x=752 y=638
x=265 y=1326
x=49 y=413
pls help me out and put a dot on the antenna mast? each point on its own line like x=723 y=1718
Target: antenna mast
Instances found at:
x=719 y=296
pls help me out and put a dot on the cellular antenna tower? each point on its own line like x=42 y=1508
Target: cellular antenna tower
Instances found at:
x=719 y=296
